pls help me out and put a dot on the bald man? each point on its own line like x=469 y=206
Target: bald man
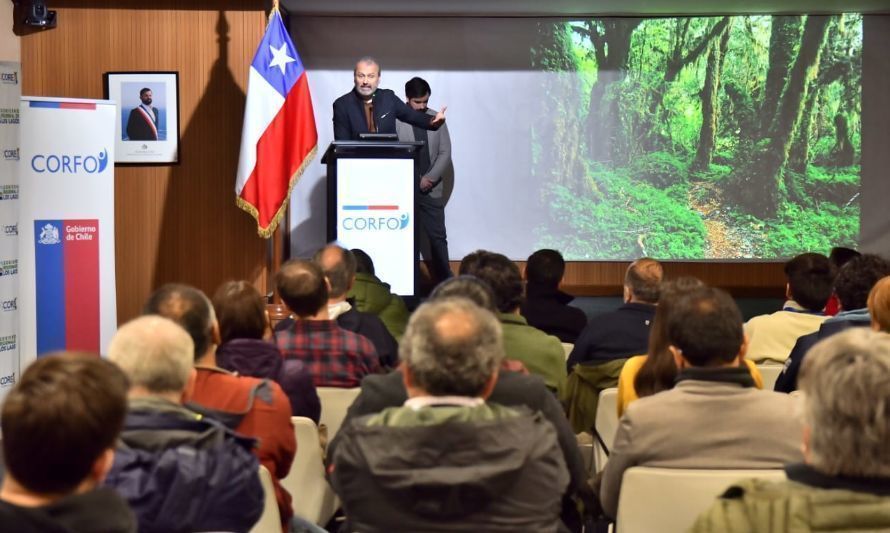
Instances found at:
x=367 y=109
x=624 y=332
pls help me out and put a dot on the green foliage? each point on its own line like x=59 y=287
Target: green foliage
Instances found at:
x=629 y=219
x=658 y=168
x=798 y=229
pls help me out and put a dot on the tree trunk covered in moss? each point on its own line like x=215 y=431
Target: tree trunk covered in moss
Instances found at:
x=709 y=108
x=759 y=185
x=843 y=152
x=556 y=130
x=784 y=35
x=799 y=155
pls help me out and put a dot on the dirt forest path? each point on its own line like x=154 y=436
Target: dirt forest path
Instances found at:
x=723 y=240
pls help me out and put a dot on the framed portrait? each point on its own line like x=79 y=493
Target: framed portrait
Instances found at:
x=147 y=125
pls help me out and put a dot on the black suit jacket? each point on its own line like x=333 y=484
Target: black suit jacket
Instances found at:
x=349 y=115
x=382 y=391
x=138 y=129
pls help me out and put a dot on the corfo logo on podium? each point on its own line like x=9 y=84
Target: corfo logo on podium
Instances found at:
x=7 y=381
x=69 y=164
x=10 y=305
x=366 y=218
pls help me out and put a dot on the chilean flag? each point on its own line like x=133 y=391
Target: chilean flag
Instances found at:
x=279 y=138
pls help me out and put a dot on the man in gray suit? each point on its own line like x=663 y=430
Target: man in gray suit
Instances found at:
x=713 y=417
x=435 y=160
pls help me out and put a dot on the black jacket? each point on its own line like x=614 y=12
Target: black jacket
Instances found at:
x=96 y=511
x=349 y=115
x=548 y=310
x=469 y=476
x=616 y=335
x=381 y=391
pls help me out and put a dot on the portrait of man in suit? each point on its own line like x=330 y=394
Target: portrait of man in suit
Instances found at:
x=142 y=124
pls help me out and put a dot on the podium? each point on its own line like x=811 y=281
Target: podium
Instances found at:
x=371 y=189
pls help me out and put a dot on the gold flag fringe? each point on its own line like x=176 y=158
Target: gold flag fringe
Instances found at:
x=267 y=232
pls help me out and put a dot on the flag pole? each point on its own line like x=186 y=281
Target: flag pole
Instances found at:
x=275 y=248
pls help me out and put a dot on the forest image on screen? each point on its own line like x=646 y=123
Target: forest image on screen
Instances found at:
x=699 y=138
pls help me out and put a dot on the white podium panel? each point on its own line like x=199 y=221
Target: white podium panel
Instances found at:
x=375 y=207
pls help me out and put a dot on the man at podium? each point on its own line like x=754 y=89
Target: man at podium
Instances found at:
x=367 y=109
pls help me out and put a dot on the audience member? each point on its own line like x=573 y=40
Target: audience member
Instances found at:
x=541 y=354
x=374 y=296
x=180 y=471
x=60 y=424
x=334 y=356
x=771 y=337
x=713 y=417
x=839 y=256
x=545 y=306
x=879 y=305
x=244 y=328
x=645 y=375
x=511 y=389
x=852 y=287
x=624 y=332
x=254 y=407
x=338 y=265
x=471 y=465
x=844 y=481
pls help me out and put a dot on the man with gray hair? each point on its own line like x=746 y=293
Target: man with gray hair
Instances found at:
x=178 y=470
x=448 y=460
x=846 y=443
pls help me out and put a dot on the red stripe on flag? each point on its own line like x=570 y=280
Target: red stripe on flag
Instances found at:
x=280 y=151
x=76 y=105
x=81 y=285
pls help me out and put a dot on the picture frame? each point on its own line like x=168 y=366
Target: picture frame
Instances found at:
x=147 y=124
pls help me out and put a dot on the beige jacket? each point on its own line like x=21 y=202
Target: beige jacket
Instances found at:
x=771 y=337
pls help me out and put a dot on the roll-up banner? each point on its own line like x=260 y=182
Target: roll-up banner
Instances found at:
x=10 y=94
x=67 y=298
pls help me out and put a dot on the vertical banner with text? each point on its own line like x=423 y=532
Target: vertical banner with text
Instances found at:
x=10 y=94
x=66 y=244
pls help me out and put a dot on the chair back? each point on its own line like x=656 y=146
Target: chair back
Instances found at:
x=669 y=500
x=606 y=426
x=270 y=520
x=770 y=373
x=567 y=347
x=313 y=497
x=334 y=404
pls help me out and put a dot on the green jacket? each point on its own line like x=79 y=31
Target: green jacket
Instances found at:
x=541 y=354
x=373 y=296
x=764 y=507
x=582 y=393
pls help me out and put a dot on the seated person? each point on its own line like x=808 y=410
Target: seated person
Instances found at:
x=179 y=471
x=60 y=424
x=852 y=287
x=624 y=332
x=879 y=305
x=843 y=483
x=541 y=354
x=809 y=280
x=448 y=460
x=333 y=356
x=374 y=296
x=253 y=407
x=714 y=396
x=244 y=330
x=645 y=375
x=839 y=256
x=545 y=306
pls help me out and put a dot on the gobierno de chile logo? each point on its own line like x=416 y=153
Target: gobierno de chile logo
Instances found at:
x=366 y=218
x=70 y=163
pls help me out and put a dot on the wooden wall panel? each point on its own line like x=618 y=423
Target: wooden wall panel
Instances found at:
x=180 y=223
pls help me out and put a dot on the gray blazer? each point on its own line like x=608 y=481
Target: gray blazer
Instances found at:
x=440 y=154
x=703 y=424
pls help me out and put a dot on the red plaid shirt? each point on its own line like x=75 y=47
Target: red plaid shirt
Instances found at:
x=333 y=356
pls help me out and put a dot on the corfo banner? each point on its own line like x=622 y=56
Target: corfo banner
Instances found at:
x=67 y=297
x=10 y=94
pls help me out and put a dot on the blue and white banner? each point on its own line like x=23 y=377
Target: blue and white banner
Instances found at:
x=10 y=94
x=67 y=291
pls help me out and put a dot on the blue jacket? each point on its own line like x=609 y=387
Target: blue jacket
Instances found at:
x=183 y=472
x=787 y=380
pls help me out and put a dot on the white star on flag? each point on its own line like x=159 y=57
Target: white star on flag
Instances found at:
x=280 y=58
